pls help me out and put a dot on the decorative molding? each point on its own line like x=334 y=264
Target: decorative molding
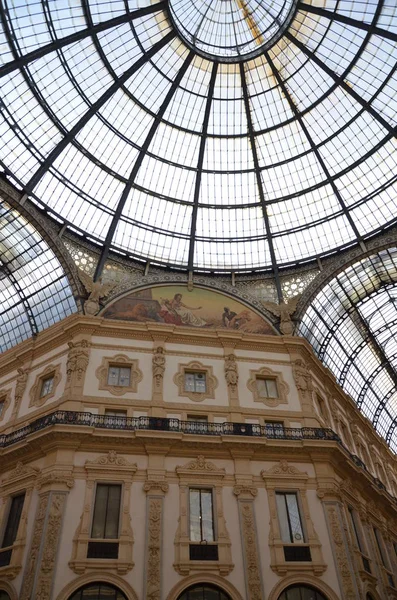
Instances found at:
x=304 y=383
x=284 y=470
x=340 y=550
x=196 y=473
x=51 y=370
x=117 y=469
x=282 y=386
x=252 y=567
x=78 y=582
x=196 y=367
x=76 y=365
x=154 y=546
x=20 y=472
x=158 y=486
x=123 y=361
x=302 y=579
x=56 y=478
x=158 y=369
x=245 y=490
x=33 y=556
x=20 y=388
x=231 y=376
x=5 y=400
x=199 y=579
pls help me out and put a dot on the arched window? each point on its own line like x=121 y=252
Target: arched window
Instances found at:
x=97 y=591
x=301 y=592
x=369 y=597
x=4 y=595
x=203 y=591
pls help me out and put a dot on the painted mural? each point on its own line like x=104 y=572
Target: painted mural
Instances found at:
x=199 y=308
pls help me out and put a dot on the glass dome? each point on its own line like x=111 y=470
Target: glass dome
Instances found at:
x=261 y=140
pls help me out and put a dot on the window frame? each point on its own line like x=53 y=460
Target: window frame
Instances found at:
x=267 y=373
x=5 y=400
x=51 y=371
x=283 y=492
x=107 y=483
x=119 y=366
x=194 y=373
x=213 y=512
x=196 y=367
x=10 y=501
x=266 y=379
x=123 y=361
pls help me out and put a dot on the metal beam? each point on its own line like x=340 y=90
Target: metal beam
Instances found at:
x=94 y=109
x=259 y=183
x=334 y=16
x=21 y=61
x=342 y=83
x=314 y=147
x=32 y=321
x=200 y=161
x=137 y=165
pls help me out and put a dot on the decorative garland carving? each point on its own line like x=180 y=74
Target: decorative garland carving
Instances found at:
x=153 y=567
x=201 y=465
x=21 y=471
x=158 y=368
x=33 y=556
x=124 y=361
x=245 y=490
x=77 y=363
x=282 y=386
x=284 y=469
x=195 y=366
x=250 y=548
x=340 y=551
x=231 y=376
x=20 y=388
x=156 y=486
x=55 y=477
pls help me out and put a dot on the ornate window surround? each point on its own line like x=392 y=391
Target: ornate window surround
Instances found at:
x=119 y=360
x=50 y=370
x=201 y=473
x=196 y=367
x=287 y=478
x=5 y=397
x=109 y=468
x=21 y=479
x=266 y=373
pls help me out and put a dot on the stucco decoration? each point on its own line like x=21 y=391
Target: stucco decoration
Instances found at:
x=266 y=373
x=33 y=556
x=35 y=392
x=200 y=465
x=199 y=308
x=58 y=478
x=20 y=388
x=284 y=311
x=196 y=367
x=303 y=382
x=284 y=469
x=231 y=376
x=21 y=472
x=154 y=547
x=119 y=360
x=96 y=291
x=5 y=400
x=77 y=363
x=158 y=369
x=250 y=549
x=83 y=580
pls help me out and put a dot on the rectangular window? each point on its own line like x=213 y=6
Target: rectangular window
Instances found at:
x=267 y=388
x=197 y=418
x=2 y=405
x=379 y=543
x=47 y=386
x=120 y=376
x=195 y=382
x=14 y=517
x=201 y=515
x=115 y=413
x=105 y=523
x=289 y=518
x=353 y=519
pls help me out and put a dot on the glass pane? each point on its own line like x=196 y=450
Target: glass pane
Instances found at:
x=261 y=388
x=293 y=594
x=2 y=404
x=14 y=517
x=309 y=594
x=113 y=512
x=113 y=375
x=194 y=508
x=46 y=387
x=271 y=388
x=4 y=595
x=294 y=518
x=125 y=376
x=207 y=525
x=283 y=518
x=189 y=382
x=200 y=383
x=99 y=518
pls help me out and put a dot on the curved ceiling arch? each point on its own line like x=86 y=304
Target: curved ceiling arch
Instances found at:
x=352 y=326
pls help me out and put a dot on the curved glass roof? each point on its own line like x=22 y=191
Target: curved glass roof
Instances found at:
x=34 y=290
x=352 y=326
x=128 y=134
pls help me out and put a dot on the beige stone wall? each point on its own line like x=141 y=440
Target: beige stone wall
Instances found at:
x=58 y=468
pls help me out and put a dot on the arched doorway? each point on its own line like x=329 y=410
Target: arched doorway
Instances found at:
x=203 y=591
x=98 y=591
x=4 y=595
x=301 y=592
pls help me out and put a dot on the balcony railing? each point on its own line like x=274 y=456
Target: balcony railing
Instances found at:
x=66 y=417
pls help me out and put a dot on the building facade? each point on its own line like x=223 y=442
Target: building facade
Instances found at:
x=152 y=461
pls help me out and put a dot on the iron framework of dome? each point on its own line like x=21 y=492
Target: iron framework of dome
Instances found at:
x=223 y=136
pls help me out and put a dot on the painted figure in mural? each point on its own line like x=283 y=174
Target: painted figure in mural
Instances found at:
x=185 y=312
x=227 y=316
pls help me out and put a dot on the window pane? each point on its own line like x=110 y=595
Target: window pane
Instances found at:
x=189 y=382
x=113 y=512
x=46 y=386
x=125 y=375
x=207 y=525
x=294 y=518
x=99 y=519
x=113 y=375
x=195 y=530
x=261 y=388
x=283 y=518
x=2 y=404
x=14 y=517
x=271 y=388
x=200 y=384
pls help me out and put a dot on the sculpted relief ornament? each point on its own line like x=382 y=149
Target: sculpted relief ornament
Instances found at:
x=158 y=369
x=285 y=312
x=77 y=361
x=19 y=390
x=96 y=291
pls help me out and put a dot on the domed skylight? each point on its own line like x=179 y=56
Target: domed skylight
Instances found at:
x=115 y=123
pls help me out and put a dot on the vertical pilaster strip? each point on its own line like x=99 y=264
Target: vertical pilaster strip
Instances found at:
x=249 y=540
x=340 y=548
x=155 y=491
x=35 y=548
